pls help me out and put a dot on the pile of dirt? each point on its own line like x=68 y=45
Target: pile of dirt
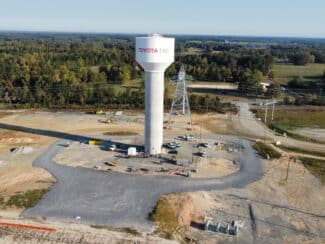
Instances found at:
x=174 y=213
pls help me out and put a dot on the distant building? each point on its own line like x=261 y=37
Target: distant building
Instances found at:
x=265 y=85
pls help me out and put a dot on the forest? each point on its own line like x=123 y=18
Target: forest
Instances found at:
x=62 y=70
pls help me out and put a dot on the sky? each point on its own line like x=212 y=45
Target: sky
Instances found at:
x=299 y=18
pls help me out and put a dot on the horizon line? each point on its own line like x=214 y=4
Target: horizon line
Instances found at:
x=146 y=33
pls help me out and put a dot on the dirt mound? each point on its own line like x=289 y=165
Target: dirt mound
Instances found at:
x=175 y=212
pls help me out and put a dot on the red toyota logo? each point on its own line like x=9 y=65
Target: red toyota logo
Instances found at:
x=152 y=50
x=148 y=50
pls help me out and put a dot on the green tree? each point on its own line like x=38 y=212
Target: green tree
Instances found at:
x=302 y=58
x=274 y=90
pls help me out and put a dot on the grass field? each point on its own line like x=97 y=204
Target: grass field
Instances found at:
x=290 y=119
x=133 y=84
x=192 y=51
x=23 y=199
x=285 y=72
x=136 y=83
x=287 y=120
x=299 y=150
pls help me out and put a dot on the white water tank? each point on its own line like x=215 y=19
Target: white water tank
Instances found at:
x=154 y=53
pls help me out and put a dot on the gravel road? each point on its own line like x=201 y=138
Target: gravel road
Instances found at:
x=249 y=122
x=125 y=200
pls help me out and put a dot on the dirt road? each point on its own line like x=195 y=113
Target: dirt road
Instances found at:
x=257 y=128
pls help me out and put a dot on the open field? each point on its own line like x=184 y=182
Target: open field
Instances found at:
x=291 y=120
x=298 y=118
x=302 y=151
x=285 y=72
x=192 y=51
x=137 y=83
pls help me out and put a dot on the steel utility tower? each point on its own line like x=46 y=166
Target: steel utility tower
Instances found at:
x=181 y=105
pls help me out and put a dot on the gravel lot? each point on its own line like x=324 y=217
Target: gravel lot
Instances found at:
x=124 y=200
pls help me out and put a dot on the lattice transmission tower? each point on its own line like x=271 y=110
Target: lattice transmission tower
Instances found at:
x=181 y=105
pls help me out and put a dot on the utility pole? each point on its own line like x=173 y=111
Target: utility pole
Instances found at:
x=207 y=104
x=288 y=167
x=273 y=105
x=266 y=108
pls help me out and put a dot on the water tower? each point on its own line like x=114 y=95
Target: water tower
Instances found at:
x=154 y=53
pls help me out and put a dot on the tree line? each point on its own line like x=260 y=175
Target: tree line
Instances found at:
x=86 y=70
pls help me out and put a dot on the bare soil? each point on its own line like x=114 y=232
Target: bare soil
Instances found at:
x=70 y=233
x=212 y=168
x=284 y=211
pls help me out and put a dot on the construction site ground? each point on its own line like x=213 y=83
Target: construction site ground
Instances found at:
x=62 y=232
x=289 y=211
x=218 y=161
x=275 y=209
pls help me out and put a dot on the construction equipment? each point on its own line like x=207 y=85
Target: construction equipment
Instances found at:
x=112 y=163
x=106 y=121
x=112 y=147
x=174 y=159
x=131 y=169
x=186 y=137
x=95 y=142
x=202 y=154
x=174 y=151
x=99 y=112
